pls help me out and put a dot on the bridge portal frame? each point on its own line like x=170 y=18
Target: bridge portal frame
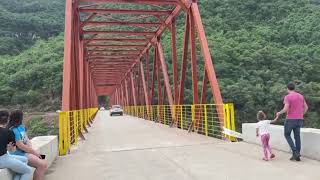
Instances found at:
x=90 y=69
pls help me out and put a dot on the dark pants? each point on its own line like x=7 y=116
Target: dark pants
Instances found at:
x=293 y=125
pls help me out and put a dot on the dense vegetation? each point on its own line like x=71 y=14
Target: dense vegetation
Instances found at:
x=258 y=46
x=23 y=22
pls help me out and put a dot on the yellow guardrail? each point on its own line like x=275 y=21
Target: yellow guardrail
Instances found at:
x=71 y=125
x=201 y=118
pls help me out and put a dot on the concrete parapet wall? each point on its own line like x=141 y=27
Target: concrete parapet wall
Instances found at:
x=310 y=139
x=47 y=145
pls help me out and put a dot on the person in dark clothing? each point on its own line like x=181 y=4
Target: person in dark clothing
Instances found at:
x=17 y=164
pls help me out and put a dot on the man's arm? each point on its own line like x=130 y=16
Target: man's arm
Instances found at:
x=305 y=107
x=284 y=110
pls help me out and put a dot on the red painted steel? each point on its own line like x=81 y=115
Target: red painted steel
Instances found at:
x=184 y=60
x=194 y=62
x=146 y=96
x=208 y=61
x=133 y=89
x=125 y=11
x=154 y=70
x=165 y=74
x=66 y=90
x=174 y=61
x=148 y=75
x=107 y=53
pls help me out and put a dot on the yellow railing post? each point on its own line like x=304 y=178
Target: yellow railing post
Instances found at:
x=193 y=112
x=81 y=120
x=181 y=114
x=158 y=113
x=164 y=115
x=63 y=133
x=232 y=120
x=68 y=129
x=228 y=119
x=206 y=120
x=75 y=126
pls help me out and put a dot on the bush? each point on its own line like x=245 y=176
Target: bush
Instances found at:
x=38 y=127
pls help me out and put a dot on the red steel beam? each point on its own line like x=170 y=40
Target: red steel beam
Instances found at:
x=125 y=11
x=159 y=32
x=208 y=61
x=159 y=78
x=119 y=32
x=133 y=89
x=66 y=94
x=154 y=70
x=121 y=23
x=111 y=59
x=151 y=2
x=108 y=63
x=117 y=45
x=195 y=92
x=81 y=75
x=186 y=4
x=127 y=92
x=144 y=85
x=120 y=40
x=115 y=50
x=104 y=70
x=101 y=56
x=174 y=61
x=204 y=87
x=184 y=60
x=148 y=74
x=102 y=73
x=122 y=95
x=114 y=54
x=165 y=75
x=88 y=19
x=89 y=40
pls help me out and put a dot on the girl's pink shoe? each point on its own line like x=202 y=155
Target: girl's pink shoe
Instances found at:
x=265 y=159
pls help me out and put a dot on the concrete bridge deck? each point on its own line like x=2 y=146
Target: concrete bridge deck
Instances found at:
x=126 y=148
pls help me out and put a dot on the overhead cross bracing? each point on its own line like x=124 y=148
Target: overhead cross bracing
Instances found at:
x=118 y=37
x=113 y=47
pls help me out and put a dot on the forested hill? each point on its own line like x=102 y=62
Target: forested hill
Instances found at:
x=23 y=22
x=258 y=46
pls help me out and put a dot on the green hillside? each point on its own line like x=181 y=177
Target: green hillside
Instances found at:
x=23 y=22
x=258 y=46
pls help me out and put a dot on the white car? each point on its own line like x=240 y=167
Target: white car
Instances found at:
x=116 y=109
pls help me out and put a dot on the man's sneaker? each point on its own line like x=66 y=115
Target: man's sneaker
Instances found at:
x=272 y=156
x=295 y=157
x=299 y=155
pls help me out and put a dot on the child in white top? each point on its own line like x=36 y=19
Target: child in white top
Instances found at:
x=263 y=131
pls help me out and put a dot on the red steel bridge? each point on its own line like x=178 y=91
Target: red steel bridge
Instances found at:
x=116 y=48
x=108 y=52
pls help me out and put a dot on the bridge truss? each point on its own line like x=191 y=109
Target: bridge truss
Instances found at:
x=114 y=48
